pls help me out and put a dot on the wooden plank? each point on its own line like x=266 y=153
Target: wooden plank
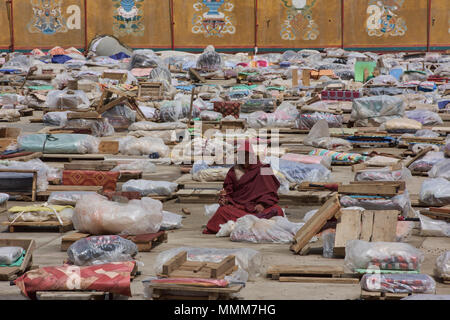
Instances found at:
x=73 y=156
x=71 y=295
x=91 y=165
x=234 y=288
x=347 y=228
x=108 y=147
x=366 y=225
x=320 y=280
x=305 y=269
x=313 y=225
x=375 y=189
x=83 y=115
x=418 y=156
x=223 y=266
x=384 y=225
x=174 y=263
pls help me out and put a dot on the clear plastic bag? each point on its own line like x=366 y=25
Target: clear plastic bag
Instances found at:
x=210 y=115
x=67 y=197
x=144 y=165
x=94 y=214
x=330 y=143
x=307 y=120
x=383 y=174
x=425 y=117
x=361 y=254
x=426 y=133
x=402 y=124
x=171 y=221
x=55 y=118
x=175 y=110
x=400 y=202
x=426 y=163
x=167 y=136
x=154 y=126
x=101 y=250
x=67 y=99
x=149 y=187
x=442 y=269
x=435 y=192
x=210 y=60
x=120 y=116
x=144 y=59
x=161 y=74
x=250 y=228
x=98 y=127
x=143 y=146
x=305 y=159
x=3 y=197
x=201 y=171
x=41 y=213
x=398 y=283
x=9 y=255
x=35 y=165
x=376 y=110
x=440 y=170
x=210 y=210
x=249 y=261
x=433 y=228
x=296 y=172
x=328 y=237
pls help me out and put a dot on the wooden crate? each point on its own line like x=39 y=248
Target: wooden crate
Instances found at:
x=144 y=242
x=11 y=273
x=311 y=274
x=185 y=292
x=150 y=91
x=180 y=267
x=33 y=187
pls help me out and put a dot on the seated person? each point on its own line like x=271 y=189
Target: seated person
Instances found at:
x=249 y=188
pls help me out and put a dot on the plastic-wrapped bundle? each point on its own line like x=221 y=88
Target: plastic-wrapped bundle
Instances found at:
x=330 y=143
x=284 y=116
x=249 y=261
x=298 y=172
x=361 y=254
x=19 y=62
x=380 y=161
x=67 y=197
x=120 y=116
x=209 y=60
x=150 y=113
x=3 y=197
x=385 y=79
x=9 y=255
x=40 y=213
x=425 y=117
x=339 y=156
x=59 y=143
x=144 y=59
x=42 y=169
x=426 y=133
x=250 y=228
x=143 y=146
x=161 y=74
x=440 y=170
x=404 y=124
x=376 y=110
x=100 y=250
x=67 y=99
x=253 y=105
x=307 y=121
x=433 y=228
x=435 y=192
x=171 y=221
x=398 y=283
x=55 y=118
x=328 y=238
x=210 y=210
x=176 y=110
x=383 y=174
x=400 y=202
x=210 y=115
x=144 y=165
x=442 y=269
x=94 y=214
x=427 y=162
x=325 y=161
x=154 y=126
x=149 y=187
x=98 y=127
x=446 y=148
x=201 y=171
x=167 y=136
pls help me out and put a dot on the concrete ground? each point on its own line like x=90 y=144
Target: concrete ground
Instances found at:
x=48 y=251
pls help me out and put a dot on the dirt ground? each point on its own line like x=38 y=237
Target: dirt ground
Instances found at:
x=48 y=251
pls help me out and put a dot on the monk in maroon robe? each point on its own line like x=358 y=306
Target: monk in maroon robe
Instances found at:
x=247 y=189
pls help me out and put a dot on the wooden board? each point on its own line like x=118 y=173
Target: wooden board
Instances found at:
x=91 y=165
x=369 y=295
x=311 y=274
x=73 y=295
x=34 y=226
x=162 y=291
x=371 y=226
x=145 y=242
x=70 y=157
x=83 y=115
x=370 y=189
x=108 y=147
x=313 y=225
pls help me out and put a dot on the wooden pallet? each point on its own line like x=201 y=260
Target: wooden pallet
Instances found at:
x=74 y=295
x=183 y=292
x=180 y=267
x=311 y=274
x=144 y=242
x=382 y=188
x=11 y=273
x=369 y=295
x=70 y=157
x=41 y=226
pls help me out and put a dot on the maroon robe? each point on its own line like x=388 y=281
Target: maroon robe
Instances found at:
x=244 y=194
